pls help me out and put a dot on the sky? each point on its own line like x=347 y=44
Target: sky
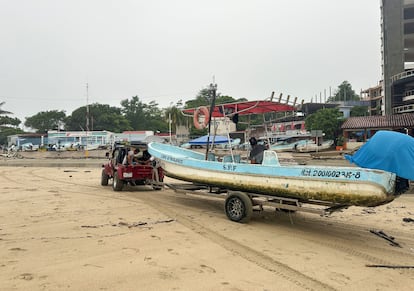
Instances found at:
x=167 y=50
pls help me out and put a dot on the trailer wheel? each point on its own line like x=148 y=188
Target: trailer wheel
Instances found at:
x=104 y=178
x=117 y=184
x=238 y=207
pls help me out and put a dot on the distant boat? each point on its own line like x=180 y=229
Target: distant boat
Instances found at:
x=313 y=147
x=288 y=145
x=91 y=147
x=29 y=147
x=212 y=139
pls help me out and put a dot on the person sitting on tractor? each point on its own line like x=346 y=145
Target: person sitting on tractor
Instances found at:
x=129 y=158
x=144 y=156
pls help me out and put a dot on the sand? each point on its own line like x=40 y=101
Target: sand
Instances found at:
x=61 y=230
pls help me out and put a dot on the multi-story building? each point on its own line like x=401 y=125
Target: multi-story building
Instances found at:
x=397 y=51
x=375 y=97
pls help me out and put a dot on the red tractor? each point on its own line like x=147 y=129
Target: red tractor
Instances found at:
x=142 y=171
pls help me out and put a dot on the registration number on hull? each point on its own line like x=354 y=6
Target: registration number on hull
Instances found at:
x=331 y=173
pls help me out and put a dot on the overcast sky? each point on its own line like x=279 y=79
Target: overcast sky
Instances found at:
x=166 y=50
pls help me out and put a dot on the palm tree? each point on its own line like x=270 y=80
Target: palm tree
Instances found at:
x=3 y=112
x=174 y=115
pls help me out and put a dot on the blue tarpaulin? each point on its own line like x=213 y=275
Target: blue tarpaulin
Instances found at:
x=203 y=140
x=387 y=150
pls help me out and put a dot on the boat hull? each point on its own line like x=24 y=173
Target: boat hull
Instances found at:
x=343 y=185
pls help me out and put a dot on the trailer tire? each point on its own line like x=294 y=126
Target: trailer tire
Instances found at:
x=117 y=183
x=238 y=207
x=104 y=178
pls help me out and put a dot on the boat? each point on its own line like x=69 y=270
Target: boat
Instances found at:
x=311 y=184
x=288 y=145
x=311 y=146
x=337 y=187
x=340 y=185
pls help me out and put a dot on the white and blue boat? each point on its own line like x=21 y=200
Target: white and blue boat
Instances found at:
x=309 y=184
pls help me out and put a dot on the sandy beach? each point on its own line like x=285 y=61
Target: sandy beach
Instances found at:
x=61 y=230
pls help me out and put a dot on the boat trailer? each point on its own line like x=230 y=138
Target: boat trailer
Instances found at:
x=239 y=206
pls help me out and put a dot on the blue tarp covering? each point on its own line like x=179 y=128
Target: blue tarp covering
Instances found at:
x=203 y=140
x=387 y=150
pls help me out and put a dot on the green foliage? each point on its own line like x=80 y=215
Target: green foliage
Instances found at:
x=101 y=117
x=203 y=98
x=340 y=141
x=175 y=115
x=329 y=120
x=344 y=93
x=45 y=120
x=359 y=111
x=143 y=116
x=3 y=112
x=133 y=110
x=9 y=121
x=8 y=125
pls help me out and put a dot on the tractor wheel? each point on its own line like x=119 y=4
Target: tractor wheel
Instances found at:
x=117 y=184
x=104 y=178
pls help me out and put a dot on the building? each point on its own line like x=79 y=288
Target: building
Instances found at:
x=375 y=98
x=397 y=52
x=391 y=102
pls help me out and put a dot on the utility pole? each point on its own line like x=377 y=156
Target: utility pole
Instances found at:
x=213 y=89
x=169 y=125
x=87 y=107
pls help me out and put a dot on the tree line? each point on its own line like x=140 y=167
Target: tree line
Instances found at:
x=134 y=114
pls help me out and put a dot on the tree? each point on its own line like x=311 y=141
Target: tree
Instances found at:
x=101 y=117
x=175 y=115
x=9 y=121
x=154 y=118
x=344 y=93
x=8 y=125
x=329 y=120
x=359 y=111
x=133 y=110
x=46 y=120
x=3 y=112
x=143 y=116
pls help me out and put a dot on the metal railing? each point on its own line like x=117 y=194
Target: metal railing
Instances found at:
x=402 y=75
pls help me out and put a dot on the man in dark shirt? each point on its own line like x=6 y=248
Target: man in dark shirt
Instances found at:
x=256 y=153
